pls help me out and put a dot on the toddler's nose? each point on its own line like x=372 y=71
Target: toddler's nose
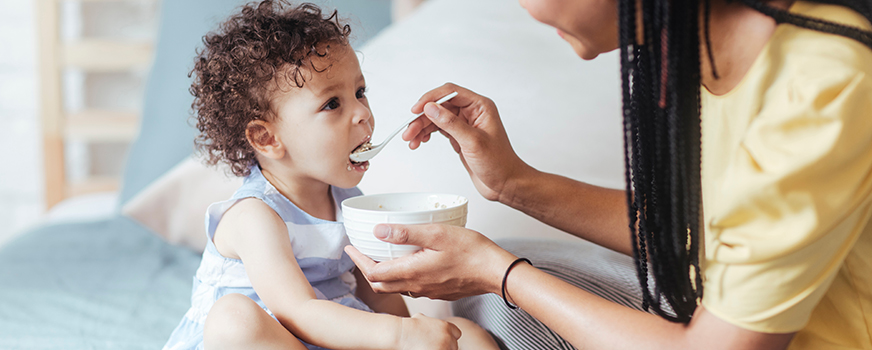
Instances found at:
x=362 y=115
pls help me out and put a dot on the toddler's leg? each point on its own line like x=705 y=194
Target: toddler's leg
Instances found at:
x=473 y=337
x=237 y=322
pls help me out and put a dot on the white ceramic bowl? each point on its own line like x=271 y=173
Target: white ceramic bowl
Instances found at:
x=361 y=214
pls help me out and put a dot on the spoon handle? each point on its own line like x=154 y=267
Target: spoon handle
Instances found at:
x=414 y=117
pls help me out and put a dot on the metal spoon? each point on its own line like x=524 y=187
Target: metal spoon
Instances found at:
x=362 y=156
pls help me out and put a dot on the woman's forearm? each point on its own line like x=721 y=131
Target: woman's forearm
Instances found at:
x=594 y=213
x=590 y=322
x=586 y=320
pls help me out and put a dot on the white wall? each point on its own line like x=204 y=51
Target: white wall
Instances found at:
x=21 y=175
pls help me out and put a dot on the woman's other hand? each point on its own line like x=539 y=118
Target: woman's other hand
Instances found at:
x=455 y=262
x=473 y=126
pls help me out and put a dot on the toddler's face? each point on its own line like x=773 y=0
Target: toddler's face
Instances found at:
x=325 y=120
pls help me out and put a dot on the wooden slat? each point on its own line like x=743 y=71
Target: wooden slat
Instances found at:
x=102 y=126
x=51 y=108
x=54 y=171
x=94 y=55
x=91 y=185
x=101 y=55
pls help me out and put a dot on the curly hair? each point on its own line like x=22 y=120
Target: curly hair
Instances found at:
x=241 y=60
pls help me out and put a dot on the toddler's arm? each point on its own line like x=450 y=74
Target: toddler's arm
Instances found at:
x=385 y=303
x=254 y=233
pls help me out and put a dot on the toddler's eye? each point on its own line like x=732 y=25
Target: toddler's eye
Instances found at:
x=332 y=104
x=361 y=93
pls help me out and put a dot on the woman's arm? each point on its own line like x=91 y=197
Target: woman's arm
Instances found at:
x=473 y=126
x=594 y=213
x=254 y=233
x=456 y=259
x=590 y=322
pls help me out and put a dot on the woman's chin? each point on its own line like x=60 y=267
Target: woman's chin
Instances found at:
x=583 y=51
x=585 y=54
x=588 y=53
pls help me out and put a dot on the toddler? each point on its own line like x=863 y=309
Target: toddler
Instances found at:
x=280 y=98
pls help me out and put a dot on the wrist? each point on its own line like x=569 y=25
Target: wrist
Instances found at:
x=517 y=184
x=501 y=261
x=507 y=298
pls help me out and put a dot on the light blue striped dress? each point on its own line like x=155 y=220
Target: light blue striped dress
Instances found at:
x=318 y=246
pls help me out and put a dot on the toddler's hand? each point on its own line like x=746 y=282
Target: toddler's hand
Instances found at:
x=420 y=332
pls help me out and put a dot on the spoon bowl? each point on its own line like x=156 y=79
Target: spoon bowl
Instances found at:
x=367 y=154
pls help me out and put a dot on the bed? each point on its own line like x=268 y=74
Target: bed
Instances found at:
x=121 y=279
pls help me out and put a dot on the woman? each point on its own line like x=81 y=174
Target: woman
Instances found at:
x=780 y=160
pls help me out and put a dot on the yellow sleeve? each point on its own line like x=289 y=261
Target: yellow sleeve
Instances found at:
x=794 y=199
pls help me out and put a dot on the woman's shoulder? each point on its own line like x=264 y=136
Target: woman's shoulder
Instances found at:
x=811 y=52
x=833 y=13
x=810 y=70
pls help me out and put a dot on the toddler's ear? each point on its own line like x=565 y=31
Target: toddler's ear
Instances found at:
x=261 y=136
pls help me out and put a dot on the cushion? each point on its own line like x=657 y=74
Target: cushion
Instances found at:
x=174 y=205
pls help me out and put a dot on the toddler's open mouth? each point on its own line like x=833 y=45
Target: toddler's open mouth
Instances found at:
x=365 y=146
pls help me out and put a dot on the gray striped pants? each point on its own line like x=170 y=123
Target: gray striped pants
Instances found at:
x=598 y=270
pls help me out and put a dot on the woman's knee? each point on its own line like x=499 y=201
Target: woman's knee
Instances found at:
x=233 y=320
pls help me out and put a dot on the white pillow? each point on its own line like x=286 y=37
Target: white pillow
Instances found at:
x=174 y=205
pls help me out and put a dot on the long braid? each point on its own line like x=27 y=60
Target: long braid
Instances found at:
x=629 y=58
x=660 y=91
x=662 y=189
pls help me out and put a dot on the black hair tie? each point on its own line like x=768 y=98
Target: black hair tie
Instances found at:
x=506 y=277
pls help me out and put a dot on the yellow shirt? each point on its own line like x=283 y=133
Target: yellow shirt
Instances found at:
x=787 y=189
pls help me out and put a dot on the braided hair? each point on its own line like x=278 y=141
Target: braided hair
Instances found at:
x=661 y=109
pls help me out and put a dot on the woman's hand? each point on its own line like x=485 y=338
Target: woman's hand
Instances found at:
x=472 y=124
x=424 y=333
x=455 y=262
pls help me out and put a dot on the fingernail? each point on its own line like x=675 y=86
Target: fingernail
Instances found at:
x=382 y=231
x=432 y=110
